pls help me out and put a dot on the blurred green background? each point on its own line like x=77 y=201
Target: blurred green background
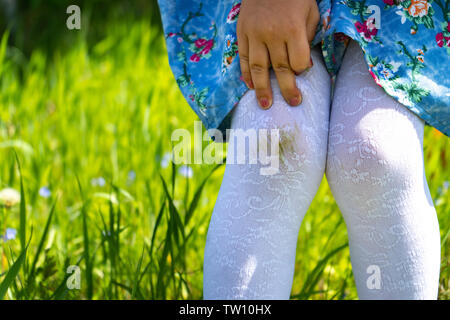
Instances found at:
x=88 y=116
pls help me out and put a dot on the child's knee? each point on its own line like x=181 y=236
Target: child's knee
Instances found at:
x=279 y=129
x=369 y=162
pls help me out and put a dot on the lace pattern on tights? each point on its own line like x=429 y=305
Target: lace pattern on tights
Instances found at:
x=371 y=149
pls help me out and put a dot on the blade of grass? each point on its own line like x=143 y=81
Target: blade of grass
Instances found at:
x=127 y=288
x=89 y=281
x=163 y=263
x=174 y=214
x=174 y=174
x=62 y=289
x=3 y=45
x=314 y=277
x=22 y=210
x=155 y=228
x=445 y=238
x=138 y=270
x=12 y=273
x=197 y=196
x=41 y=242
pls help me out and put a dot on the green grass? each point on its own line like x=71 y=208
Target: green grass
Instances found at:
x=108 y=110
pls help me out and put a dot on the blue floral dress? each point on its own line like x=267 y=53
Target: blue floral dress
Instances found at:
x=406 y=44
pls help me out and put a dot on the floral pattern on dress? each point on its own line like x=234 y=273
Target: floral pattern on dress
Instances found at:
x=443 y=37
x=364 y=25
x=385 y=75
x=416 y=11
x=199 y=48
x=231 y=51
x=407 y=52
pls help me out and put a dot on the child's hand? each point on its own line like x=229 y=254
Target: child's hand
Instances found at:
x=276 y=32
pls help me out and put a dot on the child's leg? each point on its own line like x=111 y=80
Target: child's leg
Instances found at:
x=376 y=173
x=253 y=232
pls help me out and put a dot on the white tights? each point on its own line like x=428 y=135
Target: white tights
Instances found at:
x=371 y=150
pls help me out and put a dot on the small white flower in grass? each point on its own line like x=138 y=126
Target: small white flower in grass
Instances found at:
x=442 y=191
x=10 y=234
x=186 y=171
x=45 y=192
x=98 y=182
x=166 y=160
x=106 y=233
x=9 y=197
x=131 y=176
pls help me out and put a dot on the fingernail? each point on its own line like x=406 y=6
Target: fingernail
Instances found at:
x=311 y=62
x=294 y=101
x=264 y=102
x=249 y=84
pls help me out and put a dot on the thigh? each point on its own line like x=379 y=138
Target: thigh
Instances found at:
x=303 y=129
x=368 y=128
x=357 y=96
x=315 y=87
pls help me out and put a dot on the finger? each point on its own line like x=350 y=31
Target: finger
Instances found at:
x=311 y=23
x=285 y=76
x=299 y=53
x=243 y=58
x=259 y=69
